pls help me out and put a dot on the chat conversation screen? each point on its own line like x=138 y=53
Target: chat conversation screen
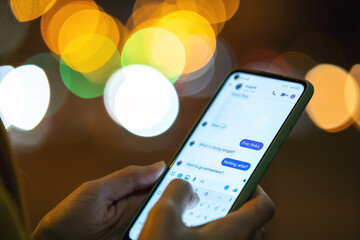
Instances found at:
x=226 y=146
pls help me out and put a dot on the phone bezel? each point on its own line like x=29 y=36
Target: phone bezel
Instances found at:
x=270 y=153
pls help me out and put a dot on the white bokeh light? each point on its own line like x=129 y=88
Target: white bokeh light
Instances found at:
x=24 y=96
x=4 y=70
x=142 y=100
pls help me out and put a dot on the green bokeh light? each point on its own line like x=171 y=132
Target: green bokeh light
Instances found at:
x=157 y=48
x=78 y=84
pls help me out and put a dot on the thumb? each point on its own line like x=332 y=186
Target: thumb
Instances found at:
x=180 y=195
x=177 y=197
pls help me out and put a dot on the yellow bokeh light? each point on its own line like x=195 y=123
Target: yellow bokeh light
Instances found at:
x=213 y=11
x=88 y=39
x=196 y=35
x=53 y=21
x=87 y=22
x=27 y=10
x=88 y=53
x=102 y=74
x=158 y=48
x=335 y=98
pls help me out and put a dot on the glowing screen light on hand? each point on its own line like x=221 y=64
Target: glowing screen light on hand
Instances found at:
x=24 y=96
x=142 y=100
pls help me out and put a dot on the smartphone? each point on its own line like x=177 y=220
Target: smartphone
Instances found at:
x=232 y=144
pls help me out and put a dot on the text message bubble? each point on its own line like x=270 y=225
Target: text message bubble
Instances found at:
x=204 y=168
x=246 y=143
x=217 y=148
x=228 y=162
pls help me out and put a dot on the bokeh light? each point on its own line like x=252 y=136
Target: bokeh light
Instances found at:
x=27 y=10
x=224 y=64
x=336 y=97
x=102 y=74
x=355 y=73
x=59 y=93
x=193 y=83
x=24 y=96
x=157 y=48
x=53 y=21
x=4 y=70
x=78 y=84
x=215 y=11
x=148 y=13
x=88 y=39
x=142 y=100
x=196 y=35
x=295 y=64
x=88 y=53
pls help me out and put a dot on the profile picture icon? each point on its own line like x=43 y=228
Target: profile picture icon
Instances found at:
x=179 y=163
x=238 y=86
x=192 y=143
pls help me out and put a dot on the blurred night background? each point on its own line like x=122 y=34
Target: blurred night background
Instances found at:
x=314 y=180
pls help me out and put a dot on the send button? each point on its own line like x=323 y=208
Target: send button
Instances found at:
x=228 y=162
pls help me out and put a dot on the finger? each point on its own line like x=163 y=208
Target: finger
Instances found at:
x=177 y=197
x=245 y=221
x=128 y=180
x=181 y=193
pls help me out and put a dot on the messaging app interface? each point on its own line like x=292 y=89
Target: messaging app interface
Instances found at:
x=228 y=144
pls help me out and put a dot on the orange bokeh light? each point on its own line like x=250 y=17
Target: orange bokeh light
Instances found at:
x=27 y=10
x=53 y=20
x=336 y=97
x=85 y=36
x=147 y=15
x=355 y=73
x=87 y=22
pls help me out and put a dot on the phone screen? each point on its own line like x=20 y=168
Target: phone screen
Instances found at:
x=227 y=144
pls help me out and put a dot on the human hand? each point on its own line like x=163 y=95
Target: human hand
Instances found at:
x=165 y=219
x=102 y=208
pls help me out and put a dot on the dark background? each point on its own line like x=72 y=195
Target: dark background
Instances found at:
x=314 y=180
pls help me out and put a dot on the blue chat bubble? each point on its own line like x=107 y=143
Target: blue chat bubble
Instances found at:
x=228 y=162
x=246 y=143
